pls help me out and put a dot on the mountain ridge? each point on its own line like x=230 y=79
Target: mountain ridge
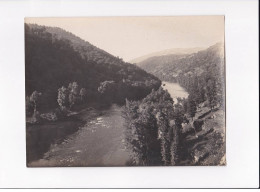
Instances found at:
x=168 y=67
x=176 y=51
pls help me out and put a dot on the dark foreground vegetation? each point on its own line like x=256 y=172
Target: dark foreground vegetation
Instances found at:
x=153 y=128
x=161 y=132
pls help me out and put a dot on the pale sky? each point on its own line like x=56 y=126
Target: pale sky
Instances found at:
x=132 y=37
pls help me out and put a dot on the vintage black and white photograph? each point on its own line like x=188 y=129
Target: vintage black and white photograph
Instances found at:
x=125 y=91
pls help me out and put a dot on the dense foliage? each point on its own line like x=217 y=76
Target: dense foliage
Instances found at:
x=54 y=58
x=202 y=75
x=153 y=127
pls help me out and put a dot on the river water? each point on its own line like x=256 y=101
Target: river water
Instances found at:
x=98 y=142
x=175 y=90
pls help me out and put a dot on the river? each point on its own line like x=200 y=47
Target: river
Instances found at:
x=175 y=90
x=99 y=141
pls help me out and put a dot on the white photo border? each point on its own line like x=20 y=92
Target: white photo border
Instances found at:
x=242 y=97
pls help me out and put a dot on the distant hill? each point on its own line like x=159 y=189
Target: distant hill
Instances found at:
x=197 y=72
x=175 y=51
x=55 y=57
x=169 y=67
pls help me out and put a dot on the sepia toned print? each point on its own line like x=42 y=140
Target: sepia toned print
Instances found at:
x=125 y=91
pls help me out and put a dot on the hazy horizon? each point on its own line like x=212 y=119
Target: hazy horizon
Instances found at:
x=133 y=37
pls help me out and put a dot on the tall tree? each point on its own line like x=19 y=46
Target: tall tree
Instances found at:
x=212 y=94
x=132 y=131
x=34 y=98
x=177 y=127
x=165 y=135
x=141 y=133
x=63 y=97
x=29 y=106
x=74 y=93
x=191 y=107
x=107 y=90
x=152 y=155
x=83 y=94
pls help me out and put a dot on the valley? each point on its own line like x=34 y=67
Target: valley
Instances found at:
x=86 y=107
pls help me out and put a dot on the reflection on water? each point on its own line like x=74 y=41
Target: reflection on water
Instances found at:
x=175 y=90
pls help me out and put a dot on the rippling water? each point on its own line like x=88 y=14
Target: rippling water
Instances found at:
x=98 y=142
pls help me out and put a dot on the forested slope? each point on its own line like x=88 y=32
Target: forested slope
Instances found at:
x=174 y=51
x=196 y=72
x=197 y=136
x=56 y=58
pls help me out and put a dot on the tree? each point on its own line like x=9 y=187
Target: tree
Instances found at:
x=149 y=131
x=141 y=133
x=133 y=141
x=212 y=95
x=106 y=86
x=202 y=95
x=191 y=107
x=185 y=105
x=83 y=93
x=177 y=126
x=107 y=90
x=73 y=93
x=63 y=97
x=29 y=106
x=165 y=135
x=34 y=98
x=163 y=108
